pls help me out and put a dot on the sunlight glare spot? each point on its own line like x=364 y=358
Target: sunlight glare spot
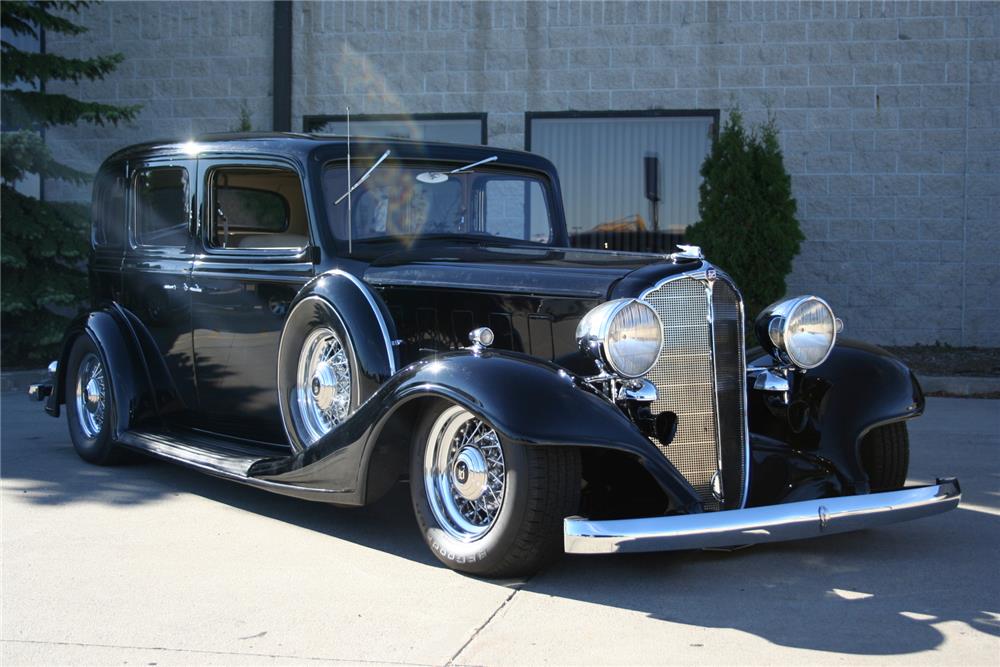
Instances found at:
x=993 y=511
x=851 y=595
x=916 y=616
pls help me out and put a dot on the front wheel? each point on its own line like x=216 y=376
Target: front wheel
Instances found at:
x=486 y=506
x=885 y=455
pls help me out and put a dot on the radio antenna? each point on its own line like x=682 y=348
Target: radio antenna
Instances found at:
x=350 y=218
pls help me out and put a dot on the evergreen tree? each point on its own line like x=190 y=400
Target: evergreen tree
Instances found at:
x=44 y=244
x=748 y=225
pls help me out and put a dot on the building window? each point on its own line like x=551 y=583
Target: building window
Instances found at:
x=459 y=128
x=629 y=180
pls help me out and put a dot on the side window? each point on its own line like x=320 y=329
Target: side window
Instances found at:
x=257 y=208
x=108 y=210
x=162 y=214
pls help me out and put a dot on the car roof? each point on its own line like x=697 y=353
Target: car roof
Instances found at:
x=326 y=147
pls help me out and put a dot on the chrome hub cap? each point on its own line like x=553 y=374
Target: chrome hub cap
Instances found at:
x=91 y=395
x=469 y=473
x=323 y=385
x=464 y=474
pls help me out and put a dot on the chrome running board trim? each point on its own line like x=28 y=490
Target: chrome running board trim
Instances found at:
x=774 y=523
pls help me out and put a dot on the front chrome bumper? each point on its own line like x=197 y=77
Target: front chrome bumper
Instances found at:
x=774 y=523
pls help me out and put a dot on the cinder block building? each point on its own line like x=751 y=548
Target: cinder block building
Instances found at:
x=889 y=115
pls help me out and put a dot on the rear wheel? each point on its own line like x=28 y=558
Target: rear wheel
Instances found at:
x=486 y=506
x=89 y=405
x=885 y=455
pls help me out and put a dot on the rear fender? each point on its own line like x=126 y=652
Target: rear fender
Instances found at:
x=132 y=377
x=833 y=406
x=529 y=401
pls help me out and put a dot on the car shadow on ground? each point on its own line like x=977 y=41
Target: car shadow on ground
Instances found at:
x=53 y=475
x=865 y=593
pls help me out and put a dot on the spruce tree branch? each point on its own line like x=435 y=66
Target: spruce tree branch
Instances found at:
x=27 y=108
x=25 y=152
x=20 y=16
x=17 y=65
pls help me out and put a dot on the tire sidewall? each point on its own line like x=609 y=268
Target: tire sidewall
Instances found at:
x=99 y=449
x=485 y=553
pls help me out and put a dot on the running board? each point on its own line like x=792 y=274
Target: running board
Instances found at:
x=221 y=458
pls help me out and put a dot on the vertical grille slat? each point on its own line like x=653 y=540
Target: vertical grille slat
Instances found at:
x=730 y=392
x=706 y=391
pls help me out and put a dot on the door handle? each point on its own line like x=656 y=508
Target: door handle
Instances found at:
x=169 y=286
x=196 y=288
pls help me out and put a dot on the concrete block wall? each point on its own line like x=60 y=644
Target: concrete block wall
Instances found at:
x=191 y=65
x=889 y=111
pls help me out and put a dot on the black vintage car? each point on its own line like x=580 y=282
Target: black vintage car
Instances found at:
x=321 y=318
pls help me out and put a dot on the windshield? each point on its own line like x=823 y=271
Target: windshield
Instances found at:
x=403 y=201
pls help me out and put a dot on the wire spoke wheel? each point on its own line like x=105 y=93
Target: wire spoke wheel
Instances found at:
x=91 y=395
x=464 y=474
x=323 y=385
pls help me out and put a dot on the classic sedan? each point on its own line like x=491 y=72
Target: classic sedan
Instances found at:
x=322 y=317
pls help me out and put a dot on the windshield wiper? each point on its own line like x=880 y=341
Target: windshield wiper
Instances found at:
x=473 y=165
x=363 y=178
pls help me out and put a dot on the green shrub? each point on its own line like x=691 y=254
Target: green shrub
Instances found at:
x=747 y=220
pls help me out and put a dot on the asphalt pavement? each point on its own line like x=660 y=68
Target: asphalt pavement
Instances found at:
x=152 y=564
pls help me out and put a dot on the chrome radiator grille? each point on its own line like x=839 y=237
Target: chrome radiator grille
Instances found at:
x=704 y=389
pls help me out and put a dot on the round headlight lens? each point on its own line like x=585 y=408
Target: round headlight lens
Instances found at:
x=625 y=333
x=808 y=333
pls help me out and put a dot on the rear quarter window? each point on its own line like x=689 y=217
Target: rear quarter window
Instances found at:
x=162 y=211
x=108 y=209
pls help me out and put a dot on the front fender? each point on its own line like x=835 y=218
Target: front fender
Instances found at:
x=529 y=401
x=833 y=406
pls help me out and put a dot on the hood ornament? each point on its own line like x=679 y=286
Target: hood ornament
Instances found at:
x=686 y=253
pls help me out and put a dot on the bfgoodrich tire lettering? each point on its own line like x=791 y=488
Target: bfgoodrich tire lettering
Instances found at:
x=90 y=408
x=541 y=487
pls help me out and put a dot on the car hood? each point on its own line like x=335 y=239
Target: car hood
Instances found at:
x=520 y=269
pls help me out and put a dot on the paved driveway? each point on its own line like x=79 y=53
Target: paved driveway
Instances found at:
x=153 y=564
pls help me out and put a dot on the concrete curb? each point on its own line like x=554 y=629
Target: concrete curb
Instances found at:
x=12 y=381
x=958 y=385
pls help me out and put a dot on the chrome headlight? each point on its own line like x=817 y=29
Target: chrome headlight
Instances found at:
x=626 y=334
x=801 y=331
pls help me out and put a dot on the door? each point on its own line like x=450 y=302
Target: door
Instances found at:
x=156 y=269
x=253 y=257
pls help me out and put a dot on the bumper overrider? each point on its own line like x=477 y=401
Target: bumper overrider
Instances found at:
x=773 y=523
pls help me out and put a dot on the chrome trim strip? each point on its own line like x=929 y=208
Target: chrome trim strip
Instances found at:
x=746 y=394
x=719 y=477
x=774 y=523
x=378 y=315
